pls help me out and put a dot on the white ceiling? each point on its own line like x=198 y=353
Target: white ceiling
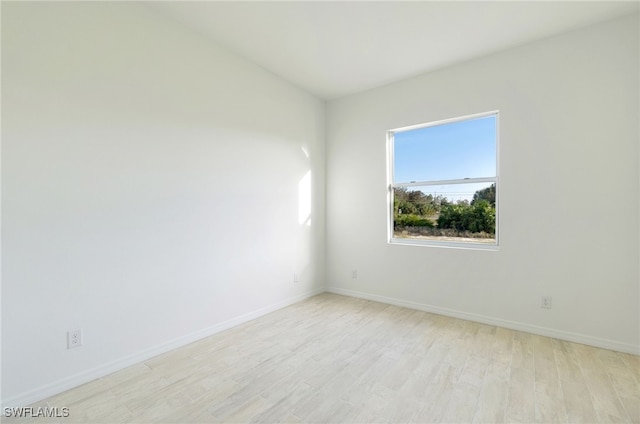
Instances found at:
x=333 y=49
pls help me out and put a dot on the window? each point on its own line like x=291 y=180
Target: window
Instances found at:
x=444 y=182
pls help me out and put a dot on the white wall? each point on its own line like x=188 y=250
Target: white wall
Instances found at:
x=150 y=190
x=569 y=190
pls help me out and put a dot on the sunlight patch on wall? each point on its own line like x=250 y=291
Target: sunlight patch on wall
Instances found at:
x=304 y=200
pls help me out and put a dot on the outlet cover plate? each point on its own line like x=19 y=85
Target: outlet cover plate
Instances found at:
x=74 y=338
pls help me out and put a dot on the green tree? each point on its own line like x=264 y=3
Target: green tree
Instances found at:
x=413 y=202
x=476 y=218
x=482 y=217
x=452 y=216
x=412 y=208
x=488 y=194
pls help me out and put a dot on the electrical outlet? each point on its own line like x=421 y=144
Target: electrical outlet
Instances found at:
x=74 y=338
x=295 y=278
x=545 y=302
x=354 y=273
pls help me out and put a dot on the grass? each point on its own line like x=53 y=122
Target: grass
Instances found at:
x=439 y=233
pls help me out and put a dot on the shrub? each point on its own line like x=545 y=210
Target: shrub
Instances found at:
x=479 y=217
x=411 y=220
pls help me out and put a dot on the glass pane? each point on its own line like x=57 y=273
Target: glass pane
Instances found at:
x=457 y=150
x=457 y=212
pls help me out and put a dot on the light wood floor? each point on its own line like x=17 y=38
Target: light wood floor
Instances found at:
x=335 y=359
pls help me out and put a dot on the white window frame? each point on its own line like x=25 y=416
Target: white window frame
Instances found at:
x=392 y=185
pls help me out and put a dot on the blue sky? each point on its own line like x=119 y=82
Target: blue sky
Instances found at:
x=457 y=150
x=465 y=149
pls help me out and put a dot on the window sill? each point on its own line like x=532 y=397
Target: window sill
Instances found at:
x=445 y=244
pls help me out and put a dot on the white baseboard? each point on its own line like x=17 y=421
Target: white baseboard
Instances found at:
x=62 y=385
x=513 y=325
